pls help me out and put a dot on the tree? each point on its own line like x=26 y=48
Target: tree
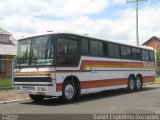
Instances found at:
x=158 y=59
x=158 y=63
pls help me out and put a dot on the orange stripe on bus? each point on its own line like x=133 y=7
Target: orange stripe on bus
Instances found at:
x=110 y=64
x=105 y=83
x=149 y=79
x=97 y=83
x=69 y=71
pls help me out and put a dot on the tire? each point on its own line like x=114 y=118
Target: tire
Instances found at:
x=36 y=98
x=69 y=91
x=138 y=83
x=131 y=83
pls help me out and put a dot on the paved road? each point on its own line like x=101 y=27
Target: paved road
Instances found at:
x=116 y=101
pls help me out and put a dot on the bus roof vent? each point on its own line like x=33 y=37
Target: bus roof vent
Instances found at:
x=49 y=30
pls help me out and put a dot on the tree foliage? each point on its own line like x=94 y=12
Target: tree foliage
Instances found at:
x=158 y=59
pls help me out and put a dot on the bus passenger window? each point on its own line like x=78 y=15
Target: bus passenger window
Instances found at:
x=151 y=55
x=67 y=52
x=145 y=55
x=136 y=54
x=113 y=50
x=96 y=48
x=85 y=46
x=125 y=52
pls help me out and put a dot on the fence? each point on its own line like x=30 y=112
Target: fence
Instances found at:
x=6 y=69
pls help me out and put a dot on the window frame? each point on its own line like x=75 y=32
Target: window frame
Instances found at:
x=2 y=66
x=98 y=43
x=140 y=59
x=105 y=49
x=81 y=46
x=53 y=44
x=127 y=55
x=67 y=36
x=146 y=52
x=4 y=39
x=32 y=48
x=119 y=56
x=152 y=60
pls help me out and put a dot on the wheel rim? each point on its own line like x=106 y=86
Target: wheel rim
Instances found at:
x=69 y=91
x=138 y=84
x=131 y=84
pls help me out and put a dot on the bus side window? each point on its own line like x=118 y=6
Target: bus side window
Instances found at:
x=125 y=52
x=62 y=45
x=67 y=51
x=85 y=46
x=145 y=55
x=136 y=54
x=113 y=50
x=73 y=47
x=151 y=55
x=96 y=48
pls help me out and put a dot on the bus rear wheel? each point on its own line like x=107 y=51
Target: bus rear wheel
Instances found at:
x=36 y=98
x=131 y=83
x=69 y=91
x=138 y=83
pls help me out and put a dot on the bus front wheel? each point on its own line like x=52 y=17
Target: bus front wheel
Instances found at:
x=36 y=98
x=69 y=91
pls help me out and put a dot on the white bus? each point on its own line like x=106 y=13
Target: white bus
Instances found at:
x=67 y=65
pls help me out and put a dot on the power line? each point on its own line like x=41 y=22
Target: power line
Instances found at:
x=137 y=6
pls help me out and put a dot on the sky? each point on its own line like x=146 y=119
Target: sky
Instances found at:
x=113 y=20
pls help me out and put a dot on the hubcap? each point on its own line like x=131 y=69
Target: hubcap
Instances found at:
x=138 y=83
x=69 y=91
x=131 y=84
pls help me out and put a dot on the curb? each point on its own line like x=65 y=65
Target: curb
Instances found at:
x=14 y=101
x=153 y=85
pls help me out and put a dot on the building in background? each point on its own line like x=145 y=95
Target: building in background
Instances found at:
x=153 y=42
x=8 y=49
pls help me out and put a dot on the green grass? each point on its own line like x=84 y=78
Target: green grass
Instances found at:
x=157 y=81
x=5 y=83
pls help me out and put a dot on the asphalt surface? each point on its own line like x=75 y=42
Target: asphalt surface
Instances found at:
x=115 y=101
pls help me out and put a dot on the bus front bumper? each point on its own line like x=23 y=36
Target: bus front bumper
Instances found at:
x=37 y=90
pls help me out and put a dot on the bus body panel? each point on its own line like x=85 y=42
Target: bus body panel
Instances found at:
x=92 y=76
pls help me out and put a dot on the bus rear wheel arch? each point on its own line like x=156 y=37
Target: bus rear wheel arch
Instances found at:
x=71 y=89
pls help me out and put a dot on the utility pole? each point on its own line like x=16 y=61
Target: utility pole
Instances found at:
x=137 y=6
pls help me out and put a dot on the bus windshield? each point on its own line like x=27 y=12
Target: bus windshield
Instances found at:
x=35 y=51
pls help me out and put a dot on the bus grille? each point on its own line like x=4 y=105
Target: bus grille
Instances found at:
x=33 y=79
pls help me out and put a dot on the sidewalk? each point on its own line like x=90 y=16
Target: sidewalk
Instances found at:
x=10 y=95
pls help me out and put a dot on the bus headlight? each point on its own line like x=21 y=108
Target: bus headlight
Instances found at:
x=44 y=89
